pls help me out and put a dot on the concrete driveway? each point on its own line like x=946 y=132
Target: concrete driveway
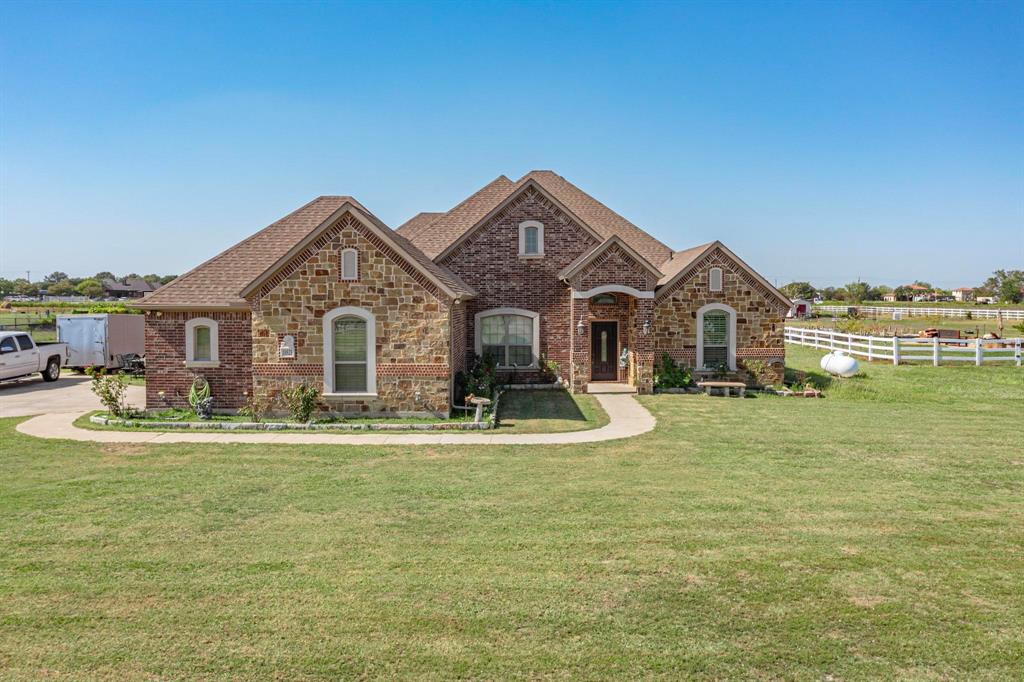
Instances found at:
x=70 y=393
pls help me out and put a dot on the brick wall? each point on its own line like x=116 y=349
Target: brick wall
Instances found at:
x=489 y=262
x=412 y=324
x=166 y=372
x=759 y=316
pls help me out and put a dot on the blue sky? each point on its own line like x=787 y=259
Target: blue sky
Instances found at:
x=821 y=141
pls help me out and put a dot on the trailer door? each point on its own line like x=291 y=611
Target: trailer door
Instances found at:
x=86 y=338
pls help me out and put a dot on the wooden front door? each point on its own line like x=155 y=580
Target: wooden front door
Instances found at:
x=604 y=351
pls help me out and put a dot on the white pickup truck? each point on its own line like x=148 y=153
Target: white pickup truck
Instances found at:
x=20 y=357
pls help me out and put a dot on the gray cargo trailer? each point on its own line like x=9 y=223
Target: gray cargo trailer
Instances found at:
x=108 y=340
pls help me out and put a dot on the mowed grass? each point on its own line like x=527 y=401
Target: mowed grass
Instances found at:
x=877 y=533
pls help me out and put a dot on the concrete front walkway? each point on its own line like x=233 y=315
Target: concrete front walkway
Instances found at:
x=626 y=416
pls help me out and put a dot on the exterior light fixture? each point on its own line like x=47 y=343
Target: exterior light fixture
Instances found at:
x=580 y=328
x=647 y=327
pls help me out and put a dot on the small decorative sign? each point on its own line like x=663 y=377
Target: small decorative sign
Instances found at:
x=287 y=348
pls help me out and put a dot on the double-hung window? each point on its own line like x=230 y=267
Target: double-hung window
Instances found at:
x=201 y=342
x=716 y=339
x=350 y=347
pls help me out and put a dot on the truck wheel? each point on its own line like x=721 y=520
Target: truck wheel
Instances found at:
x=52 y=371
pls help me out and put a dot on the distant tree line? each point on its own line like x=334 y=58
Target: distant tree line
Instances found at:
x=1007 y=286
x=61 y=284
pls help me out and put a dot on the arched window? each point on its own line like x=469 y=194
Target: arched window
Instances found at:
x=715 y=279
x=531 y=239
x=350 y=264
x=350 y=352
x=201 y=342
x=604 y=299
x=716 y=337
x=509 y=335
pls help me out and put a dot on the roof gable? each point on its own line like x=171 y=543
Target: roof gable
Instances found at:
x=440 y=236
x=583 y=261
x=219 y=283
x=688 y=263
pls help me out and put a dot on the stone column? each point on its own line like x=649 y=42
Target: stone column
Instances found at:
x=644 y=345
x=580 y=355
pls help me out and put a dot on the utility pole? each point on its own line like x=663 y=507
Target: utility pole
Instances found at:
x=28 y=275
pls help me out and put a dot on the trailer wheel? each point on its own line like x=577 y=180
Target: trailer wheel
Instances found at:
x=52 y=371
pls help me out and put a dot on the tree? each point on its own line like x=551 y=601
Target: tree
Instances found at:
x=798 y=290
x=828 y=293
x=926 y=285
x=6 y=287
x=857 y=292
x=23 y=287
x=55 y=277
x=902 y=293
x=168 y=278
x=92 y=288
x=62 y=288
x=153 y=280
x=104 y=275
x=1009 y=291
x=1005 y=284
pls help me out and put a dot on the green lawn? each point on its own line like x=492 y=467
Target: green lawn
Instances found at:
x=877 y=533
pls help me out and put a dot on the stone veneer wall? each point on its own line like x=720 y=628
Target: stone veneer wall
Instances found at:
x=413 y=324
x=759 y=316
x=489 y=262
x=165 y=360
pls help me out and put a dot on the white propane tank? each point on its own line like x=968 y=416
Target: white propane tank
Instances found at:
x=839 y=364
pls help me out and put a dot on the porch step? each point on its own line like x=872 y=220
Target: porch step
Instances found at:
x=609 y=387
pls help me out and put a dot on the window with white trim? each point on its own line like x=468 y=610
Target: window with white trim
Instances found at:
x=510 y=336
x=531 y=239
x=716 y=337
x=201 y=342
x=350 y=348
x=715 y=279
x=350 y=264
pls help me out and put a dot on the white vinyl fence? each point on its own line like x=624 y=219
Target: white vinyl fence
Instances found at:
x=908 y=311
x=901 y=350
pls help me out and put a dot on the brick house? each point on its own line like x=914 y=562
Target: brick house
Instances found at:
x=381 y=320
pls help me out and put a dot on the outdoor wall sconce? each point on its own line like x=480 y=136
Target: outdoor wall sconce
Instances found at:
x=580 y=328
x=647 y=327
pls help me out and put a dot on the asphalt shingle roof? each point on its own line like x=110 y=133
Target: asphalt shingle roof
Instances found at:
x=219 y=281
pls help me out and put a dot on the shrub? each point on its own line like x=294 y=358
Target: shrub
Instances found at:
x=550 y=371
x=256 y=405
x=301 y=401
x=481 y=379
x=111 y=389
x=668 y=374
x=200 y=399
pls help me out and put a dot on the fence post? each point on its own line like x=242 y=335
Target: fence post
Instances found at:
x=977 y=351
x=1016 y=351
x=935 y=351
x=895 y=350
x=831 y=340
x=871 y=348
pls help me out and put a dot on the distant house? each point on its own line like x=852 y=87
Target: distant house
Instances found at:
x=890 y=297
x=132 y=287
x=963 y=294
x=801 y=308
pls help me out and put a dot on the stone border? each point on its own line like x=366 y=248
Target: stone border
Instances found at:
x=486 y=425
x=626 y=418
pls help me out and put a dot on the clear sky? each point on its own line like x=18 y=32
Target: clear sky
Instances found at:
x=820 y=141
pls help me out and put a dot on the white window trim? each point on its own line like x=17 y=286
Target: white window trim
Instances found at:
x=522 y=239
x=477 y=329
x=190 y=342
x=371 y=350
x=731 y=350
x=354 y=277
x=711 y=280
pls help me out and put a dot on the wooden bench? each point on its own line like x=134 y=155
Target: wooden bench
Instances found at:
x=726 y=386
